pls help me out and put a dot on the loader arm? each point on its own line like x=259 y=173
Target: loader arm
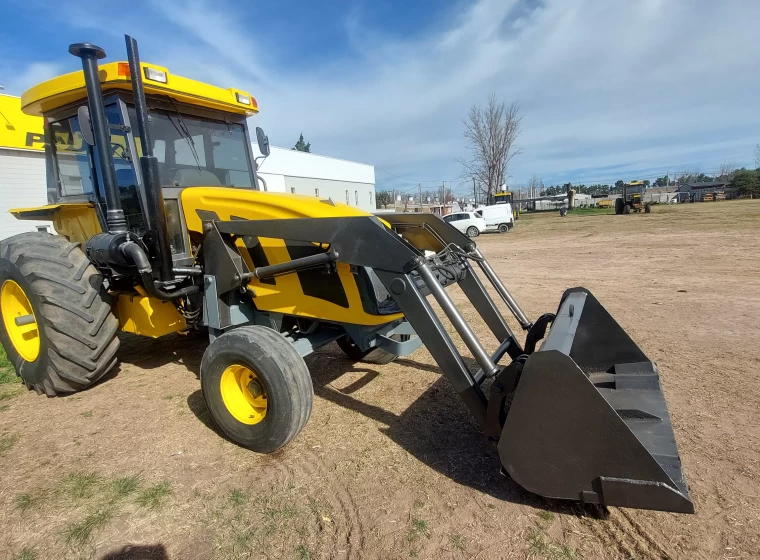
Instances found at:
x=613 y=442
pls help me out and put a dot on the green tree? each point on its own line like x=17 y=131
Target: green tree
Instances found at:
x=646 y=183
x=661 y=181
x=619 y=184
x=383 y=198
x=302 y=145
x=746 y=182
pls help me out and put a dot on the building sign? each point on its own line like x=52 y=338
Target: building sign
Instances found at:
x=17 y=130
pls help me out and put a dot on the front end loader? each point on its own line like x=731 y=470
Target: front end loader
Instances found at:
x=162 y=228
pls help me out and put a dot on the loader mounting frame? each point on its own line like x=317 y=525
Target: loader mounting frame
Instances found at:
x=639 y=467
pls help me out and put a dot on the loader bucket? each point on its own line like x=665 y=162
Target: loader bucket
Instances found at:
x=588 y=420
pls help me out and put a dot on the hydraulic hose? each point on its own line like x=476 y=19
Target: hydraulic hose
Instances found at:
x=138 y=256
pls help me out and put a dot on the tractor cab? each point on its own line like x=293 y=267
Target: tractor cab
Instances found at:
x=198 y=135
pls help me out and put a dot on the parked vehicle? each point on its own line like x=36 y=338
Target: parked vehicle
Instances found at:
x=498 y=217
x=469 y=223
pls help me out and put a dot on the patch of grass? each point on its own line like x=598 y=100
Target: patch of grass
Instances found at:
x=154 y=496
x=584 y=211
x=7 y=371
x=418 y=529
x=79 y=485
x=303 y=552
x=459 y=542
x=80 y=533
x=125 y=485
x=242 y=540
x=238 y=497
x=7 y=441
x=28 y=500
x=87 y=414
x=286 y=512
x=542 y=546
x=4 y=407
x=11 y=391
x=546 y=515
x=25 y=554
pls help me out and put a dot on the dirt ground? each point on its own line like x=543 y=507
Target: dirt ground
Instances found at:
x=391 y=465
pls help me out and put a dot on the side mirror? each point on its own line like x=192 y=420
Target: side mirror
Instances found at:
x=263 y=141
x=85 y=125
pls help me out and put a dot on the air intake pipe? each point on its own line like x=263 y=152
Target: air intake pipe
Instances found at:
x=90 y=54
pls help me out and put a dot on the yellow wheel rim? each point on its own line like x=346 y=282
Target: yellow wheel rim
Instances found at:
x=20 y=322
x=243 y=394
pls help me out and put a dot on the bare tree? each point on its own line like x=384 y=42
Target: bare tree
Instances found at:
x=491 y=132
x=383 y=198
x=726 y=170
x=757 y=156
x=535 y=186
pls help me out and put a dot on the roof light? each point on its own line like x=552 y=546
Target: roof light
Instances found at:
x=155 y=75
x=243 y=98
x=123 y=69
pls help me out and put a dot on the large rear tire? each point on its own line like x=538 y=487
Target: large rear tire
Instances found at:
x=619 y=203
x=256 y=387
x=67 y=337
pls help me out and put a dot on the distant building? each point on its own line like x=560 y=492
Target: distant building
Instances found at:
x=696 y=191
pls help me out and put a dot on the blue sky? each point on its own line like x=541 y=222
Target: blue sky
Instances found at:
x=620 y=89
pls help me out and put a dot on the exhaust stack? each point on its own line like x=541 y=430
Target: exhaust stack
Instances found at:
x=154 y=198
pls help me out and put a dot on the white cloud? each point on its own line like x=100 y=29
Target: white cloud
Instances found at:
x=22 y=77
x=635 y=84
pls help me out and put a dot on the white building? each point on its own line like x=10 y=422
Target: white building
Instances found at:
x=296 y=172
x=22 y=166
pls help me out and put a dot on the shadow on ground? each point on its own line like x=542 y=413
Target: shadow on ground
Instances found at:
x=138 y=552
x=437 y=428
x=152 y=353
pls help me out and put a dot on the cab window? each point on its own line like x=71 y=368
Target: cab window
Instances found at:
x=194 y=151
x=74 y=160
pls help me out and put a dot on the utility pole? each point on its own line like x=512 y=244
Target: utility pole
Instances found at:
x=419 y=188
x=474 y=193
x=394 y=200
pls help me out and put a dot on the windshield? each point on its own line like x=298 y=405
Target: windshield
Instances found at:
x=194 y=151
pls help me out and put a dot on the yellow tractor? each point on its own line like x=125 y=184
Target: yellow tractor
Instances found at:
x=632 y=199
x=161 y=228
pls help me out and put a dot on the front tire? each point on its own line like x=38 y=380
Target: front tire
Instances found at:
x=647 y=208
x=67 y=337
x=626 y=209
x=472 y=231
x=256 y=387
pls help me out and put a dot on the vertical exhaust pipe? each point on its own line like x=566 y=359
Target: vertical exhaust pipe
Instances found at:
x=90 y=54
x=154 y=198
